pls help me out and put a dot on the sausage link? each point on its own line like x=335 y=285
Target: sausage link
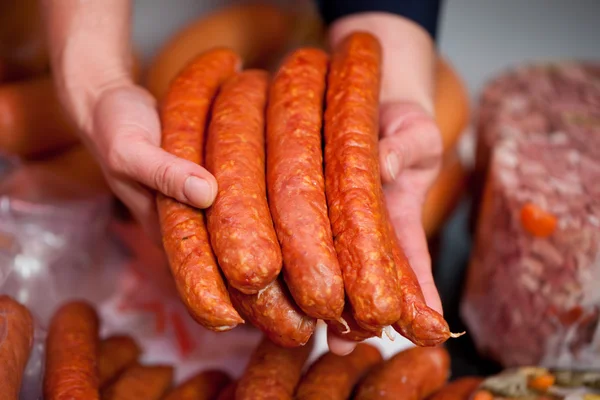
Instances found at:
x=141 y=382
x=274 y=312
x=272 y=372
x=460 y=389
x=203 y=386
x=16 y=340
x=353 y=182
x=185 y=239
x=115 y=355
x=71 y=353
x=348 y=329
x=419 y=323
x=296 y=184
x=239 y=221
x=333 y=377
x=412 y=374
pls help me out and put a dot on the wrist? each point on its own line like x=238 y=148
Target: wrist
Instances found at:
x=408 y=55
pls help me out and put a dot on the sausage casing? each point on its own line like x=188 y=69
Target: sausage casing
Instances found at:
x=296 y=184
x=274 y=312
x=71 y=353
x=353 y=182
x=272 y=372
x=16 y=339
x=239 y=221
x=412 y=374
x=460 y=389
x=204 y=386
x=184 y=115
x=333 y=377
x=148 y=382
x=115 y=355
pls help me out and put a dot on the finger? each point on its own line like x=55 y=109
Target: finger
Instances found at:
x=405 y=213
x=141 y=203
x=339 y=346
x=127 y=121
x=410 y=139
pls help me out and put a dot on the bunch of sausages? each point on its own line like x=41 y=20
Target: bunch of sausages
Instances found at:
x=299 y=229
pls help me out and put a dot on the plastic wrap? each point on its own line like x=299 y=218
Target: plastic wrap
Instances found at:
x=532 y=293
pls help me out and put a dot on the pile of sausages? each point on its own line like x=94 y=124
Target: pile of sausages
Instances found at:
x=299 y=229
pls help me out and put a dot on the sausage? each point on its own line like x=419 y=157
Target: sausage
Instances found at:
x=272 y=372
x=257 y=31
x=419 y=323
x=412 y=374
x=229 y=392
x=185 y=238
x=141 y=382
x=460 y=389
x=71 y=353
x=115 y=355
x=347 y=328
x=204 y=386
x=274 y=312
x=296 y=184
x=32 y=120
x=333 y=377
x=16 y=340
x=239 y=221
x=353 y=182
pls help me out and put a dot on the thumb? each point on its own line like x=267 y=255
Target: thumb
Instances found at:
x=127 y=121
x=409 y=139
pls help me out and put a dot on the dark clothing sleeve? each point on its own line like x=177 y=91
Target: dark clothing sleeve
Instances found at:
x=423 y=12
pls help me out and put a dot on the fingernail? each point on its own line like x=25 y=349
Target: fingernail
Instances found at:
x=198 y=192
x=392 y=164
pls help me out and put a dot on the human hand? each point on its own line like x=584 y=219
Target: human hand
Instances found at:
x=117 y=119
x=410 y=146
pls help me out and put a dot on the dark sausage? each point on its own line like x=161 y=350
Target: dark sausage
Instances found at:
x=239 y=221
x=274 y=312
x=296 y=184
x=353 y=182
x=185 y=239
x=204 y=386
x=412 y=374
x=333 y=377
x=460 y=389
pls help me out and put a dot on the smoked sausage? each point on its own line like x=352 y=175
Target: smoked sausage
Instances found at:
x=296 y=184
x=115 y=355
x=71 y=353
x=239 y=221
x=460 y=389
x=333 y=377
x=412 y=374
x=353 y=183
x=16 y=339
x=185 y=239
x=204 y=386
x=348 y=329
x=141 y=382
x=272 y=372
x=274 y=312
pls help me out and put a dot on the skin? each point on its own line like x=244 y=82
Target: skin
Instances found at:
x=120 y=125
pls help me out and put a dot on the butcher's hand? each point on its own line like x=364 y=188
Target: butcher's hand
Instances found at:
x=118 y=120
x=410 y=146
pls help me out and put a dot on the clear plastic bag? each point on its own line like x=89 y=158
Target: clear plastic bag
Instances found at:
x=533 y=287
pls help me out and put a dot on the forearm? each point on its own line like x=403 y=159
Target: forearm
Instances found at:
x=90 y=50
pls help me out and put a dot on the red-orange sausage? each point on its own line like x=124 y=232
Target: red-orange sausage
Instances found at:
x=412 y=374
x=116 y=353
x=272 y=372
x=141 y=382
x=239 y=221
x=460 y=389
x=204 y=386
x=229 y=392
x=274 y=312
x=333 y=377
x=349 y=329
x=353 y=182
x=16 y=339
x=185 y=239
x=71 y=353
x=296 y=184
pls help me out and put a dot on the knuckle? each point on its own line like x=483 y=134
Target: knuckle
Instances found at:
x=164 y=177
x=115 y=159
